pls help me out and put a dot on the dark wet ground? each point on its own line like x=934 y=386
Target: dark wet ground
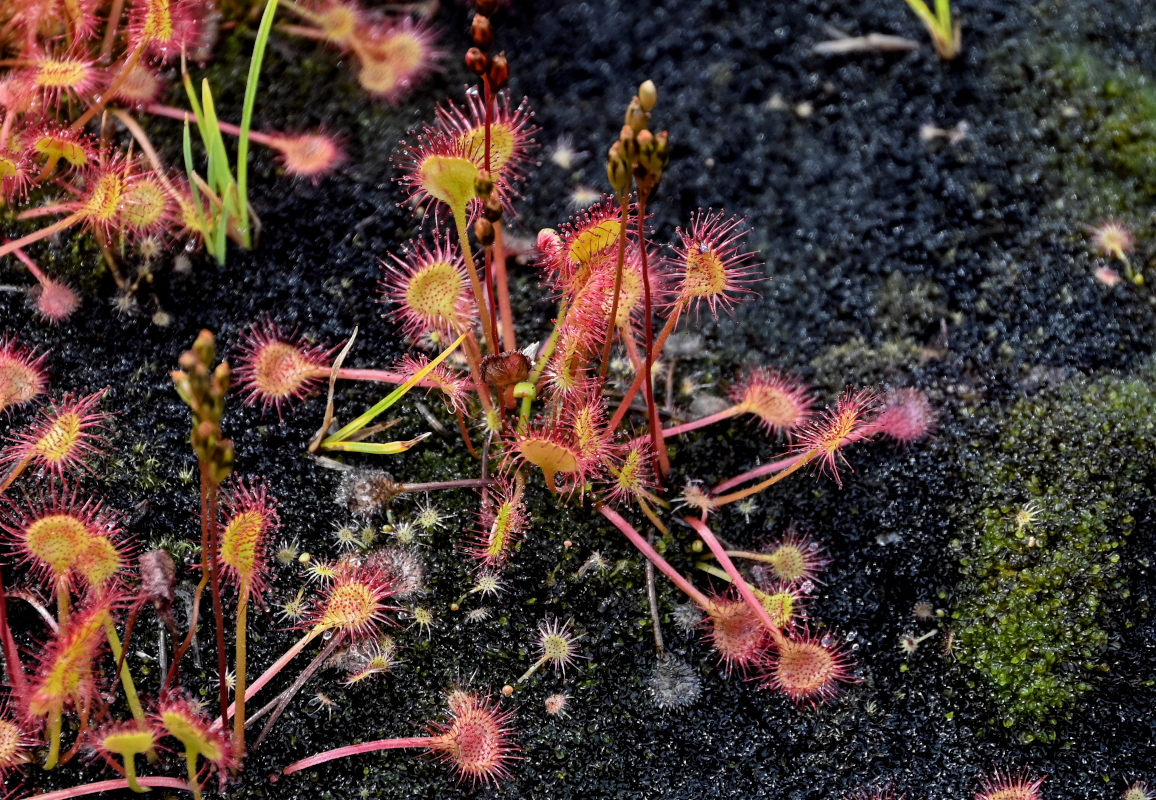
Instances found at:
x=961 y=268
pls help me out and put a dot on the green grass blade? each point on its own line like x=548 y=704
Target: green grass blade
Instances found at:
x=263 y=32
x=389 y=399
x=377 y=448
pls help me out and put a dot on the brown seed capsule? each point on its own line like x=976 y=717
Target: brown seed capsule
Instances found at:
x=483 y=185
x=492 y=209
x=484 y=232
x=481 y=32
x=499 y=71
x=505 y=369
x=476 y=61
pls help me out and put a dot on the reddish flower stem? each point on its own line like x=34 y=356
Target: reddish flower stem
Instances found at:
x=110 y=786
x=357 y=749
x=644 y=547
x=636 y=384
x=15 y=669
x=656 y=440
x=623 y=221
x=740 y=583
x=270 y=673
x=725 y=499
x=758 y=472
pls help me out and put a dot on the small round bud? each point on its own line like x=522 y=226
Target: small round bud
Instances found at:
x=507 y=690
x=481 y=32
x=635 y=117
x=662 y=149
x=492 y=209
x=476 y=61
x=483 y=185
x=647 y=95
x=499 y=71
x=618 y=170
x=484 y=232
x=628 y=143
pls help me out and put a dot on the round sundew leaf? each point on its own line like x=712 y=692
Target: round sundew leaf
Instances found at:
x=449 y=179
x=594 y=240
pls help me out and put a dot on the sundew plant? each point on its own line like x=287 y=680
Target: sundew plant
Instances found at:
x=554 y=411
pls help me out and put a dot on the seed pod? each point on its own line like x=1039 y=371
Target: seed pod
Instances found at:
x=476 y=61
x=481 y=32
x=483 y=185
x=499 y=71
x=505 y=369
x=492 y=209
x=484 y=232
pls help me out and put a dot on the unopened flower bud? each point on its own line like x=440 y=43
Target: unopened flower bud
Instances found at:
x=483 y=185
x=662 y=148
x=487 y=7
x=646 y=146
x=492 y=209
x=499 y=71
x=628 y=143
x=205 y=347
x=222 y=378
x=635 y=116
x=647 y=95
x=618 y=170
x=476 y=61
x=484 y=232
x=481 y=32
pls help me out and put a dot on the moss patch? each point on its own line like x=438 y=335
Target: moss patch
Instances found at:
x=1040 y=558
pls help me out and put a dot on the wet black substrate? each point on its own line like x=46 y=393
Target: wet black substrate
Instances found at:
x=958 y=268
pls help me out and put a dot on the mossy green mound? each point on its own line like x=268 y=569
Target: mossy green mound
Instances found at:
x=1040 y=559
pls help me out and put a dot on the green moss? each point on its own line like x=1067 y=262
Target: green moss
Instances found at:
x=1040 y=555
x=1099 y=124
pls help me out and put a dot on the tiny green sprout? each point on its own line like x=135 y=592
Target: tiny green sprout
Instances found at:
x=423 y=618
x=320 y=571
x=287 y=552
x=366 y=537
x=293 y=610
x=405 y=533
x=945 y=34
x=1026 y=517
x=596 y=563
x=557 y=645
x=429 y=517
x=345 y=537
x=186 y=473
